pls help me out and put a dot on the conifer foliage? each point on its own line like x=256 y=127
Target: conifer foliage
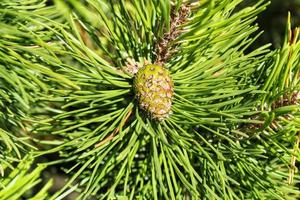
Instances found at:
x=74 y=81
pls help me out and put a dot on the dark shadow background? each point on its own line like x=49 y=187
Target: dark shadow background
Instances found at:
x=273 y=21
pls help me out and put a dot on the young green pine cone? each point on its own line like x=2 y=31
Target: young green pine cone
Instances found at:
x=154 y=91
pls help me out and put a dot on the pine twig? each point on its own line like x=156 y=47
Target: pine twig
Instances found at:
x=164 y=51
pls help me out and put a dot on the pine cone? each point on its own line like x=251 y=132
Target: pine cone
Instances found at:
x=154 y=91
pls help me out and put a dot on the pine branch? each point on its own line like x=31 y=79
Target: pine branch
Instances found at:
x=235 y=112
